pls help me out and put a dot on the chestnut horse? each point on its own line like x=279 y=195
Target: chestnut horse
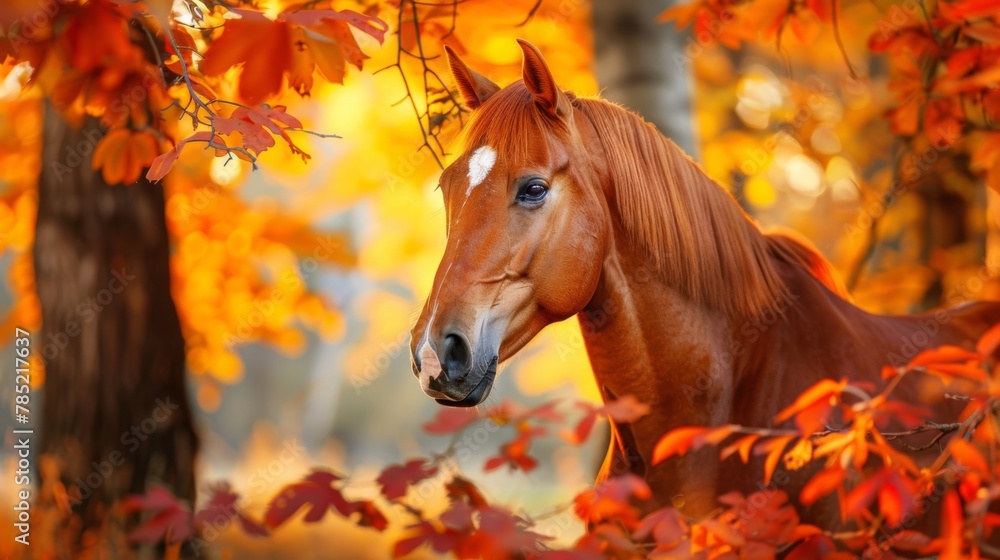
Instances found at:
x=565 y=206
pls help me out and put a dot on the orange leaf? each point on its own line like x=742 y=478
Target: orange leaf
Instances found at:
x=823 y=390
x=743 y=445
x=160 y=165
x=825 y=481
x=989 y=342
x=945 y=353
x=975 y=373
x=951 y=527
x=968 y=456
x=681 y=14
x=676 y=442
x=775 y=449
x=122 y=155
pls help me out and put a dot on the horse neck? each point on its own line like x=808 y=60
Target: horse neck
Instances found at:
x=646 y=339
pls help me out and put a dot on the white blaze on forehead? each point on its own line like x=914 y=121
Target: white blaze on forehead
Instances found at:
x=430 y=367
x=480 y=164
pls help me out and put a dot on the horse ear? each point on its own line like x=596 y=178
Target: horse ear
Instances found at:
x=475 y=88
x=540 y=83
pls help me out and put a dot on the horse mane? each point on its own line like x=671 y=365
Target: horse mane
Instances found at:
x=693 y=231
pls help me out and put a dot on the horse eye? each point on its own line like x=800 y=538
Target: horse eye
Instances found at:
x=533 y=192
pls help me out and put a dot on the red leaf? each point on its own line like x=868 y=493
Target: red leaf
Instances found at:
x=315 y=493
x=813 y=547
x=439 y=537
x=223 y=507
x=170 y=517
x=462 y=489
x=584 y=426
x=450 y=420
x=370 y=516
x=396 y=479
x=515 y=453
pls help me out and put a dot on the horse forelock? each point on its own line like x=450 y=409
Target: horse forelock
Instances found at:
x=511 y=123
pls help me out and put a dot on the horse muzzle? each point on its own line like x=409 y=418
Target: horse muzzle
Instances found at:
x=452 y=372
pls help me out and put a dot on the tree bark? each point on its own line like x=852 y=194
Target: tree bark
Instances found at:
x=116 y=414
x=643 y=65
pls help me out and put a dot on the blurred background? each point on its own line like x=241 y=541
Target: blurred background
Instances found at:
x=296 y=284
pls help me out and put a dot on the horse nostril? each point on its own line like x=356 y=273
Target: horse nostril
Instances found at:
x=457 y=357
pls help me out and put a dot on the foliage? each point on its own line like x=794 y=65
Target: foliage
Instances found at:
x=836 y=430
x=879 y=114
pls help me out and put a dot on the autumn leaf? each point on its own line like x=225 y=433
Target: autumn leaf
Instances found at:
x=514 y=454
x=989 y=342
x=951 y=527
x=819 y=546
x=773 y=449
x=316 y=493
x=162 y=164
x=624 y=409
x=611 y=499
x=944 y=354
x=440 y=538
x=450 y=420
x=165 y=517
x=370 y=516
x=460 y=488
x=268 y=49
x=122 y=155
x=665 y=525
x=967 y=455
x=943 y=121
x=814 y=405
x=222 y=507
x=894 y=493
x=743 y=446
x=676 y=442
x=500 y=534
x=396 y=479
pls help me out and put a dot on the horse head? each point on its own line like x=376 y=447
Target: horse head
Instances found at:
x=527 y=226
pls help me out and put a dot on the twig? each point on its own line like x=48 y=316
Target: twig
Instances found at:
x=835 y=4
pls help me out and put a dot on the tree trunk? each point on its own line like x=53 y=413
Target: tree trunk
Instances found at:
x=644 y=65
x=116 y=414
